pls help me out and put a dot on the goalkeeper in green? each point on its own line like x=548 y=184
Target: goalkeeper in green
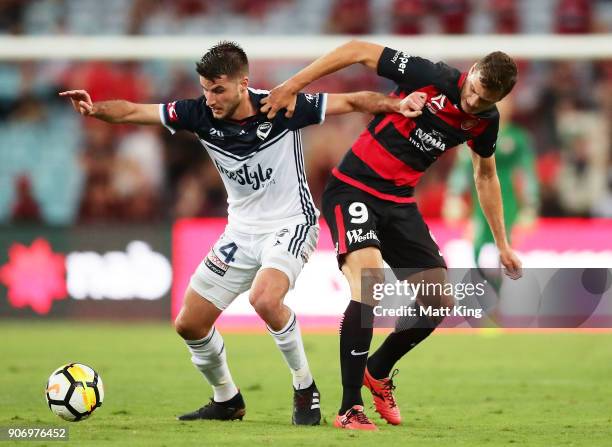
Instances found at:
x=514 y=155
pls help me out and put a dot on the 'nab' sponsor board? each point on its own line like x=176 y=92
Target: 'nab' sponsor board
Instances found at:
x=35 y=276
x=138 y=272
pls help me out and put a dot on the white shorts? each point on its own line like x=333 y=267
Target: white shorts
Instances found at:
x=231 y=265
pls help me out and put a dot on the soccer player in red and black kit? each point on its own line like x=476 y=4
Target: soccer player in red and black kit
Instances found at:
x=369 y=203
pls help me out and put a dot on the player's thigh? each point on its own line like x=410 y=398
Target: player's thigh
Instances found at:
x=283 y=255
x=407 y=243
x=226 y=271
x=434 y=292
x=353 y=218
x=410 y=250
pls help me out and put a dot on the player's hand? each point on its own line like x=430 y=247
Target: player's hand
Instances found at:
x=281 y=97
x=81 y=101
x=512 y=264
x=411 y=106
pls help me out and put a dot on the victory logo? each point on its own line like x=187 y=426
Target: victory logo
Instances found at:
x=263 y=130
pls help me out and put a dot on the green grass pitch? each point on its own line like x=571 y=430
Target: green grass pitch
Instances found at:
x=455 y=389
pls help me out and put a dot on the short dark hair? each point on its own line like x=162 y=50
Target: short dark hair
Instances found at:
x=225 y=58
x=498 y=72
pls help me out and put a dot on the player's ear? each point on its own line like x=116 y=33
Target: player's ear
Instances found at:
x=244 y=83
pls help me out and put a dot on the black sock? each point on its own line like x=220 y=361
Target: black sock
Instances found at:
x=355 y=337
x=396 y=345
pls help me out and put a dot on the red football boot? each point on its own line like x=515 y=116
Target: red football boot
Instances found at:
x=382 y=392
x=354 y=419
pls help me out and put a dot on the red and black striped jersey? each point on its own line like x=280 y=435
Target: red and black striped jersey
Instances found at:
x=393 y=152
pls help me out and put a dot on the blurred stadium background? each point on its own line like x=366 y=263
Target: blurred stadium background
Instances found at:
x=79 y=197
x=107 y=222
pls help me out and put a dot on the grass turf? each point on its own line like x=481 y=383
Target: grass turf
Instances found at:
x=457 y=388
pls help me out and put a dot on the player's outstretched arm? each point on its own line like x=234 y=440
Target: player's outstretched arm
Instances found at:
x=353 y=52
x=374 y=103
x=489 y=195
x=116 y=111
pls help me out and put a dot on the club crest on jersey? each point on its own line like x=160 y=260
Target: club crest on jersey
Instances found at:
x=263 y=130
x=469 y=124
x=171 y=107
x=436 y=103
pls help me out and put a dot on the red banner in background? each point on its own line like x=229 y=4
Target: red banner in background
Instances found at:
x=320 y=294
x=101 y=272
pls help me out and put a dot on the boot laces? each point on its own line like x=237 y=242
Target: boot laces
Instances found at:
x=388 y=389
x=359 y=416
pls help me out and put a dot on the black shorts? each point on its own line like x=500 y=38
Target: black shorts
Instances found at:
x=357 y=219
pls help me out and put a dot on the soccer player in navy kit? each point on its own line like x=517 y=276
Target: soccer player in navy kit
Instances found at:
x=369 y=203
x=272 y=221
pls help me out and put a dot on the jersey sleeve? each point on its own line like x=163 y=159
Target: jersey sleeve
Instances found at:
x=484 y=144
x=409 y=72
x=184 y=114
x=309 y=109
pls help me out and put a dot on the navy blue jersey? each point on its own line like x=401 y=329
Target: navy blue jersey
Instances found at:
x=260 y=160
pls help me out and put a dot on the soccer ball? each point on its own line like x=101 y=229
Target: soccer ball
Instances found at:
x=74 y=391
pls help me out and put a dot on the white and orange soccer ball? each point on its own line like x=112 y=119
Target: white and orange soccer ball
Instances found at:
x=74 y=391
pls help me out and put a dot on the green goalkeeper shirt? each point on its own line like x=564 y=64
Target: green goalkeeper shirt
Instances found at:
x=514 y=154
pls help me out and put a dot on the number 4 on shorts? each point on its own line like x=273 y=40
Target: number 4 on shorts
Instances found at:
x=228 y=251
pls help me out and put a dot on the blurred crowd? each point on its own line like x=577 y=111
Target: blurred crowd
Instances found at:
x=58 y=167
x=309 y=16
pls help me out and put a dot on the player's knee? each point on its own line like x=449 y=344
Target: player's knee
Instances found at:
x=370 y=281
x=268 y=292
x=188 y=329
x=447 y=301
x=371 y=277
x=265 y=301
x=181 y=327
x=363 y=282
